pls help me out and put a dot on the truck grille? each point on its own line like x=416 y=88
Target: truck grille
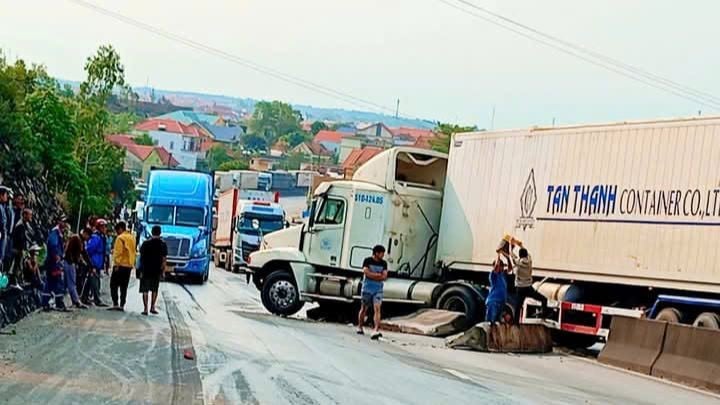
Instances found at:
x=177 y=247
x=247 y=249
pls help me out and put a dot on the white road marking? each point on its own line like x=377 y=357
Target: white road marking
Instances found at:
x=459 y=375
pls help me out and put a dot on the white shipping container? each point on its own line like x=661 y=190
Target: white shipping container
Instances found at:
x=627 y=203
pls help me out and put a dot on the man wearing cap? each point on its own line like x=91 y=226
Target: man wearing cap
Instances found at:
x=96 y=251
x=54 y=284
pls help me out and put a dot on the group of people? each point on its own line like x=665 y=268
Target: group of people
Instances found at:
x=375 y=272
x=74 y=264
x=507 y=263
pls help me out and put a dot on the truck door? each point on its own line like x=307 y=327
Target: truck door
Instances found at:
x=326 y=234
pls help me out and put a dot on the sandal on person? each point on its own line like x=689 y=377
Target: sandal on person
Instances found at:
x=144 y=313
x=376 y=336
x=359 y=331
x=154 y=312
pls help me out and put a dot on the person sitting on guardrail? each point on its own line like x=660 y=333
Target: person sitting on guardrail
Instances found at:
x=523 y=282
x=497 y=297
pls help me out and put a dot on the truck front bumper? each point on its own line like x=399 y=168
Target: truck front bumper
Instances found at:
x=196 y=266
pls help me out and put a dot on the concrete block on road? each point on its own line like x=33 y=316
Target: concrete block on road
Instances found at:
x=633 y=344
x=428 y=322
x=503 y=338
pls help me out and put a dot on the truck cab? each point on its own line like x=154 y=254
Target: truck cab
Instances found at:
x=394 y=200
x=180 y=202
x=254 y=206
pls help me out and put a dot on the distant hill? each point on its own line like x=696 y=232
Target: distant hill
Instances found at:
x=309 y=112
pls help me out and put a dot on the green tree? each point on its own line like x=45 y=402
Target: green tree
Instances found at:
x=444 y=132
x=293 y=161
x=317 y=126
x=234 y=165
x=273 y=119
x=216 y=156
x=122 y=123
x=254 y=143
x=296 y=138
x=144 y=139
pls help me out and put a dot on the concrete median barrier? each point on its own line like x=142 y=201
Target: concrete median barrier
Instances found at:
x=503 y=339
x=690 y=356
x=633 y=344
x=428 y=322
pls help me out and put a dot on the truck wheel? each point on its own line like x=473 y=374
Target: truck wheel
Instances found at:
x=280 y=294
x=460 y=299
x=670 y=315
x=708 y=320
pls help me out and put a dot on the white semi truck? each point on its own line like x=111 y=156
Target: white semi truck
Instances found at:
x=620 y=219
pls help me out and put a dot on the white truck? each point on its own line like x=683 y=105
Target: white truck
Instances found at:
x=620 y=219
x=234 y=237
x=242 y=179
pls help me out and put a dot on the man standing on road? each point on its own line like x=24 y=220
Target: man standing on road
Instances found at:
x=54 y=284
x=153 y=254
x=6 y=227
x=375 y=273
x=124 y=258
x=96 y=251
x=524 y=281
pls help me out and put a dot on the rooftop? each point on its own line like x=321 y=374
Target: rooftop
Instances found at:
x=359 y=156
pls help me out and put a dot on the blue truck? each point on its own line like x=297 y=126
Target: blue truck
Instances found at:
x=181 y=202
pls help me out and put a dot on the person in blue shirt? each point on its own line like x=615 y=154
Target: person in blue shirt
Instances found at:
x=497 y=296
x=54 y=284
x=96 y=249
x=375 y=271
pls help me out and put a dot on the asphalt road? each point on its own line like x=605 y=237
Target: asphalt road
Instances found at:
x=240 y=354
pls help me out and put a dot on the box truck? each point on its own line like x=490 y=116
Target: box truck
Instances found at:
x=234 y=237
x=620 y=218
x=244 y=179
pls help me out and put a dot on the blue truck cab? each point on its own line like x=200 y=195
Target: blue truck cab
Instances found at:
x=180 y=202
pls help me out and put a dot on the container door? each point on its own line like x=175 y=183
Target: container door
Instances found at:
x=326 y=234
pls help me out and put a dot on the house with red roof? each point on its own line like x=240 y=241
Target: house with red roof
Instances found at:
x=139 y=159
x=330 y=140
x=357 y=158
x=184 y=141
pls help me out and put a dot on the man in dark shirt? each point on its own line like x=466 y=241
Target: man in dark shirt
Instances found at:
x=375 y=271
x=153 y=254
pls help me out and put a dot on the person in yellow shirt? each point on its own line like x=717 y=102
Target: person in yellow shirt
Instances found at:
x=124 y=261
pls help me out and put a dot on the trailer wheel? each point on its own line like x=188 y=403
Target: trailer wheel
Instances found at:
x=460 y=299
x=280 y=294
x=670 y=315
x=708 y=320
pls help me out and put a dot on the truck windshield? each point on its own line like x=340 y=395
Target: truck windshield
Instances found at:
x=267 y=224
x=164 y=214
x=160 y=214
x=189 y=216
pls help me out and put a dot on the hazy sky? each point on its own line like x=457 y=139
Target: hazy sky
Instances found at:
x=441 y=63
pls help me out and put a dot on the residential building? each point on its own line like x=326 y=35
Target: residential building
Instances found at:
x=314 y=151
x=356 y=159
x=349 y=144
x=279 y=148
x=183 y=141
x=346 y=129
x=330 y=140
x=377 y=135
x=139 y=159
x=263 y=163
x=189 y=117
x=225 y=134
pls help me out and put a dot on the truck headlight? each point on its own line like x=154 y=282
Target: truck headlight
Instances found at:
x=199 y=249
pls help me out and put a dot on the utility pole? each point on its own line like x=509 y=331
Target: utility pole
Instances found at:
x=397 y=108
x=82 y=200
x=492 y=119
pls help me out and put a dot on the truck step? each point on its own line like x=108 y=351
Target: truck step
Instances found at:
x=329 y=277
x=327 y=297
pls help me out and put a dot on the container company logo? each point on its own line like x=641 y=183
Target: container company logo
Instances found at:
x=528 y=199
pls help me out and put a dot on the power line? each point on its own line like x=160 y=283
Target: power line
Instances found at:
x=598 y=55
x=318 y=88
x=592 y=57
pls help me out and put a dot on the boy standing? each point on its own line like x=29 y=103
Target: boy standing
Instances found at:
x=375 y=273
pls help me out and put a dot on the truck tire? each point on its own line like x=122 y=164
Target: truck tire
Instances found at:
x=708 y=320
x=670 y=315
x=280 y=294
x=461 y=299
